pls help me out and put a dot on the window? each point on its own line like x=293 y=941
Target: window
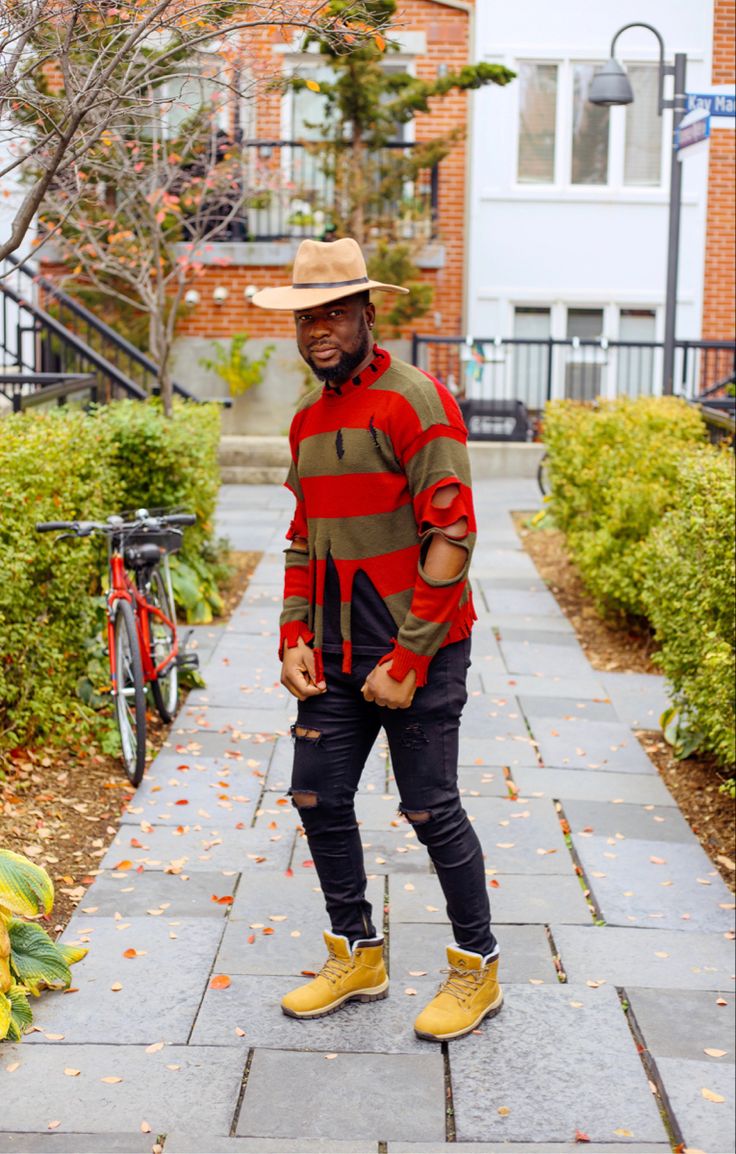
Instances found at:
x=530 y=362
x=538 y=104
x=591 y=155
x=584 y=368
x=589 y=131
x=635 y=373
x=643 y=148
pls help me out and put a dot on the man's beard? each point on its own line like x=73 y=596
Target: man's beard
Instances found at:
x=345 y=366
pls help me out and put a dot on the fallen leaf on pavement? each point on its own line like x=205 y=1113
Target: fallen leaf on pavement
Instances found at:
x=711 y=1096
x=111 y=1079
x=715 y=1053
x=154 y=1047
x=220 y=982
x=71 y=1072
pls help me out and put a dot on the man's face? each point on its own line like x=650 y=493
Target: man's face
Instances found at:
x=335 y=339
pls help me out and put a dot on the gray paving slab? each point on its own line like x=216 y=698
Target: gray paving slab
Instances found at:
x=227 y=795
x=519 y=838
x=679 y=889
x=526 y=955
x=256 y=691
x=536 y=601
x=214 y=742
x=132 y=894
x=592 y=785
x=685 y=1024
x=705 y=1125
x=199 y=846
x=566 y=709
x=38 y=1092
x=477 y=781
x=294 y=909
x=148 y=1008
x=483 y=718
x=406 y=1098
x=647 y=822
x=252 y=1004
x=566 y=660
x=510 y=751
x=383 y=852
x=659 y=959
x=542 y=1060
x=590 y=745
x=178 y=1143
x=527 y=685
x=502 y=1147
x=75 y=1143
x=513 y=900
x=553 y=622
x=639 y=699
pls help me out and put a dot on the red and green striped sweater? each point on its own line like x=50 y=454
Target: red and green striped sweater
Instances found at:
x=367 y=460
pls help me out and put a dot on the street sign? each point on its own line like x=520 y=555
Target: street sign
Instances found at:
x=693 y=129
x=717 y=104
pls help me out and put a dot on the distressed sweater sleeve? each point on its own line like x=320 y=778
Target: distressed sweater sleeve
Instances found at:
x=294 y=622
x=435 y=458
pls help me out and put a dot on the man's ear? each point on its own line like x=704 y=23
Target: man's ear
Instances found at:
x=369 y=312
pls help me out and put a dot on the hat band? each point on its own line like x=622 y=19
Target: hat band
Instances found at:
x=329 y=284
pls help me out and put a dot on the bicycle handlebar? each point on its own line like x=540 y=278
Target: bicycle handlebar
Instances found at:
x=86 y=528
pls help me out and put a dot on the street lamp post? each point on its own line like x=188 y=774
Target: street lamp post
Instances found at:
x=611 y=86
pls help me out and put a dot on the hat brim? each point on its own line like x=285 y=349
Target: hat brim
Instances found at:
x=290 y=299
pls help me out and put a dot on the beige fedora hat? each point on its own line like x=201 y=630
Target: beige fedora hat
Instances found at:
x=323 y=272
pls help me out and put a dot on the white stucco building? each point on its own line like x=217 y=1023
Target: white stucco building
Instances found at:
x=568 y=203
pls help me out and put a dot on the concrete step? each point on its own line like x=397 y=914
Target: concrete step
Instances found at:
x=265 y=460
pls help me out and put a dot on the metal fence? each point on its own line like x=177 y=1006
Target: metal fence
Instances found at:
x=534 y=371
x=289 y=192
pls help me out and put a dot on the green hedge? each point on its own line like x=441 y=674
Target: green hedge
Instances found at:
x=64 y=465
x=648 y=510
x=613 y=470
x=690 y=598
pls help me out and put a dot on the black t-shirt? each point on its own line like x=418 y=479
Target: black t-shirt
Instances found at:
x=371 y=625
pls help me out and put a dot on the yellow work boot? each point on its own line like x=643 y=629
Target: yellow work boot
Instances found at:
x=468 y=995
x=357 y=975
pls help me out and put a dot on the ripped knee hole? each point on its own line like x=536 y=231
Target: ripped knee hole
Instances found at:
x=304 y=799
x=306 y=734
x=417 y=817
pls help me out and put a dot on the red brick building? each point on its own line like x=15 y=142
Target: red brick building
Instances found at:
x=719 y=297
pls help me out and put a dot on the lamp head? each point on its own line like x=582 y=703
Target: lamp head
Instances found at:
x=610 y=85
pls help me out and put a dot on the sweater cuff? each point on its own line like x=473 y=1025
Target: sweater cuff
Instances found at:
x=291 y=633
x=403 y=661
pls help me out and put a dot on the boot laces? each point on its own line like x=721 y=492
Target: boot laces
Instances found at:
x=461 y=984
x=336 y=968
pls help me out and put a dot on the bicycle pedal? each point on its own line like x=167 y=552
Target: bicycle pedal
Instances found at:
x=187 y=661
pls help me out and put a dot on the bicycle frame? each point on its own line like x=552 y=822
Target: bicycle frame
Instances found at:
x=123 y=589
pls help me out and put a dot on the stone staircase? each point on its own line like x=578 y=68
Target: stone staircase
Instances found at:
x=254 y=460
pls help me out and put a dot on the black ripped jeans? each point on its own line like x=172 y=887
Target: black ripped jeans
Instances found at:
x=334 y=734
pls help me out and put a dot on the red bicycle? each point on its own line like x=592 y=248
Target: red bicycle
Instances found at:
x=143 y=644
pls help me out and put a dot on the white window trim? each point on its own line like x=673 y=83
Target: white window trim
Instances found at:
x=562 y=187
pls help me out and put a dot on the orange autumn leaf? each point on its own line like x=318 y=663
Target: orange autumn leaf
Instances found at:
x=581 y=1136
x=181 y=801
x=131 y=953
x=267 y=930
x=124 y=865
x=496 y=885
x=225 y=900
x=220 y=982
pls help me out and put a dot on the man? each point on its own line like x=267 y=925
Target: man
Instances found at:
x=375 y=631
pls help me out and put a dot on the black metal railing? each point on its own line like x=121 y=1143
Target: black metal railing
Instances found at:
x=62 y=337
x=534 y=371
x=288 y=192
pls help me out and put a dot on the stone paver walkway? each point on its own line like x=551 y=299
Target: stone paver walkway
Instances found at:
x=209 y=876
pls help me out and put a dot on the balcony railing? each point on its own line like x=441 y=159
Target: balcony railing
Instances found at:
x=287 y=193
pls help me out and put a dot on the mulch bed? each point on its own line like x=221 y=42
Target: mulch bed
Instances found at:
x=61 y=807
x=622 y=648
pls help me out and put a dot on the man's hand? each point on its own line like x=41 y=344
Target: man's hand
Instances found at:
x=297 y=672
x=382 y=688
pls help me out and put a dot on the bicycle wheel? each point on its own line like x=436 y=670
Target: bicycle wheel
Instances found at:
x=130 y=695
x=165 y=688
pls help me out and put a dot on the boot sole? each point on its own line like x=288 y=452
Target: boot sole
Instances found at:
x=489 y=1013
x=376 y=994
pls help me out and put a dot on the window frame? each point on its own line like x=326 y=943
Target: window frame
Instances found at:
x=562 y=179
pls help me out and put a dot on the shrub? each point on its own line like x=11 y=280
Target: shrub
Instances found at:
x=29 y=960
x=688 y=593
x=65 y=465
x=53 y=466
x=614 y=471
